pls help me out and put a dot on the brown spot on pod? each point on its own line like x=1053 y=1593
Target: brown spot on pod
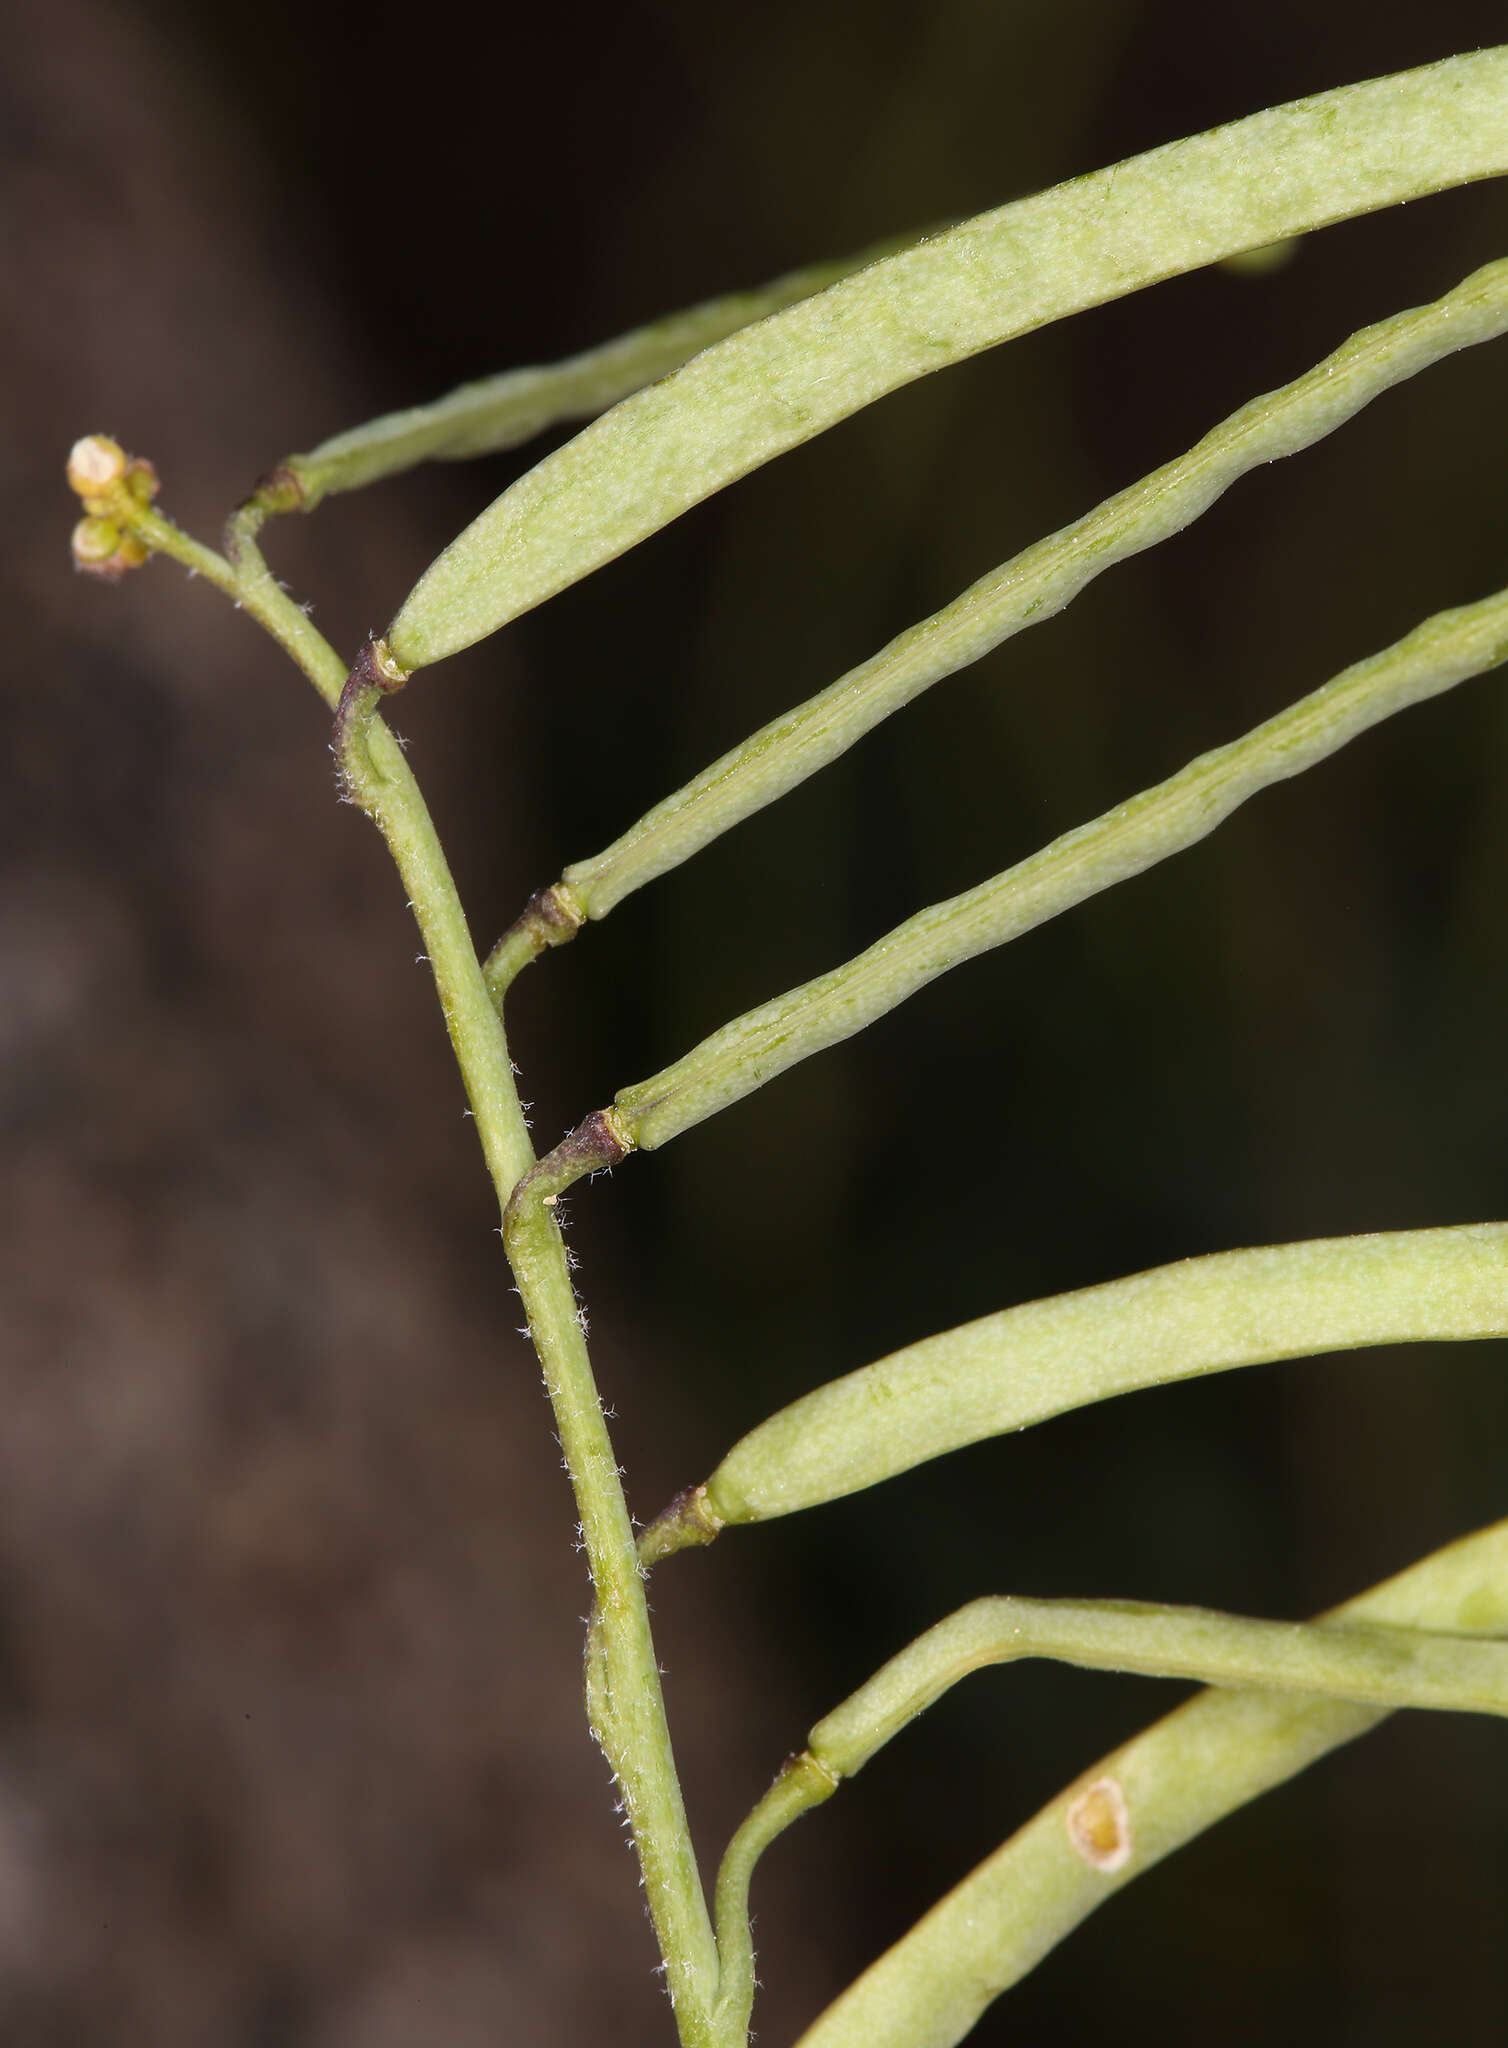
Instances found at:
x=1099 y=1825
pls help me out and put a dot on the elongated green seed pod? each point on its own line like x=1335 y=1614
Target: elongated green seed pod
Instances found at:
x=1011 y=1370
x=1376 y=1664
x=1036 y=585
x=1131 y=1809
x=499 y=412
x=778 y=383
x=1368 y=1662
x=751 y=1050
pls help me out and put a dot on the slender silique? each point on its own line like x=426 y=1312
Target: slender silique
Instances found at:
x=1132 y=1808
x=1034 y=586
x=1022 y=1365
x=778 y=383
x=1367 y=1662
x=1380 y=1665
x=499 y=412
x=1125 y=841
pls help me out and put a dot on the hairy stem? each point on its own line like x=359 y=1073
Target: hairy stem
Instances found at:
x=629 y=1721
x=632 y=1731
x=246 y=580
x=624 y=1698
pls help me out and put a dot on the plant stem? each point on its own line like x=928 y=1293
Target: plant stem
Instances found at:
x=549 y=918
x=247 y=581
x=631 y=1725
x=803 y=1783
x=632 y=1730
x=624 y=1698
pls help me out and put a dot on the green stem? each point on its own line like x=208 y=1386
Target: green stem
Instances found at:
x=803 y=1783
x=1125 y=841
x=629 y=1720
x=549 y=918
x=246 y=580
x=633 y=1731
x=164 y=537
x=597 y=1144
x=623 y=1686
x=624 y=1697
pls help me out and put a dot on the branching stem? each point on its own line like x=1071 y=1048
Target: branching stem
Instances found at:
x=760 y=389
x=549 y=918
x=629 y=1715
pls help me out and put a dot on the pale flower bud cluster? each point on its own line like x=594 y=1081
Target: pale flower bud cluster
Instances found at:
x=111 y=485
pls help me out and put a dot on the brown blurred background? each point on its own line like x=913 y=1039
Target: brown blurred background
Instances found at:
x=290 y=1744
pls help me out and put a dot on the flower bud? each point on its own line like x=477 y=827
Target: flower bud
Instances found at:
x=101 y=549
x=142 y=480
x=94 y=541
x=95 y=465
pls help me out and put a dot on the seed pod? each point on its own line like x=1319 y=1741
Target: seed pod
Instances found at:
x=1376 y=1666
x=771 y=386
x=1010 y=1370
x=1133 y=1808
x=1031 y=587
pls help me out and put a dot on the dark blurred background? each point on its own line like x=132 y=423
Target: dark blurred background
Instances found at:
x=290 y=1743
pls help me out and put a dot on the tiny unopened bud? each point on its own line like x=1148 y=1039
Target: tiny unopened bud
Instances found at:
x=142 y=480
x=96 y=464
x=95 y=541
x=101 y=549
